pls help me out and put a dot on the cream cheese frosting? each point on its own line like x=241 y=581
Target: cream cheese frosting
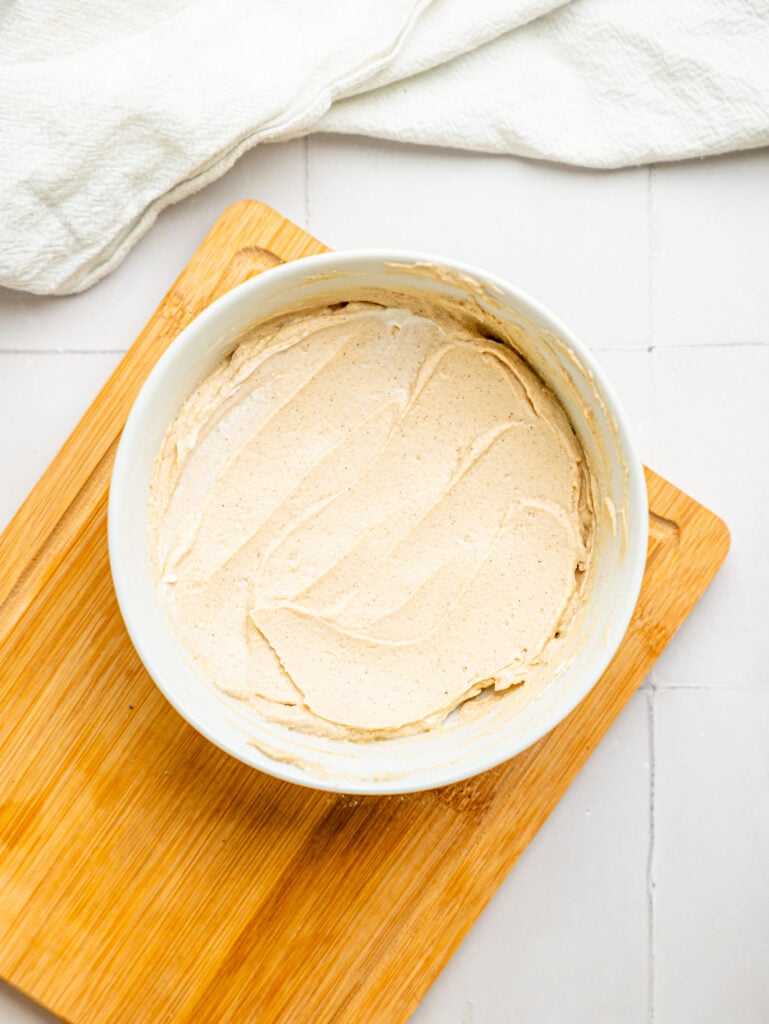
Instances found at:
x=366 y=515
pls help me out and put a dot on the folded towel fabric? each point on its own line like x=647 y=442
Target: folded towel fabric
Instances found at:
x=110 y=110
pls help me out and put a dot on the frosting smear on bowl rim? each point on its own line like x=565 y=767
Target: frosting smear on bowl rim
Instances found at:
x=368 y=514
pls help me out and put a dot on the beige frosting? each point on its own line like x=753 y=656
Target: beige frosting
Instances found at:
x=365 y=516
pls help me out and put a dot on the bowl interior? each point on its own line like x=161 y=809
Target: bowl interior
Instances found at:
x=497 y=727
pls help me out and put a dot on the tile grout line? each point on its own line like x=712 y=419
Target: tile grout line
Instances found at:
x=651 y=882
x=62 y=352
x=306 y=180
x=650 y=866
x=651 y=216
x=645 y=687
x=696 y=688
x=652 y=349
x=704 y=345
x=600 y=349
x=651 y=693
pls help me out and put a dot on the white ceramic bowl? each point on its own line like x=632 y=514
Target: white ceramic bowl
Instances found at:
x=465 y=745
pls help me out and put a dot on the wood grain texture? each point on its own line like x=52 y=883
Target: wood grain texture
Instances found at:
x=145 y=876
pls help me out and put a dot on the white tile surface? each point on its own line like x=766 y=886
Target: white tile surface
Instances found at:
x=108 y=316
x=17 y=1009
x=42 y=397
x=711 y=225
x=575 y=239
x=710 y=857
x=567 y=938
x=574 y=908
x=712 y=426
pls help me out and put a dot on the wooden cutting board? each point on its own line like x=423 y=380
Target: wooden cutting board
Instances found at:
x=145 y=876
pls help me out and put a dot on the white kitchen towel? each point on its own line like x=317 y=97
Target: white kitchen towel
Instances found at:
x=111 y=110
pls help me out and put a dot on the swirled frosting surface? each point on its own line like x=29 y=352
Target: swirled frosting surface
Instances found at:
x=367 y=515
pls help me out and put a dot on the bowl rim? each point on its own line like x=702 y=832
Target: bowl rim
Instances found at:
x=122 y=564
